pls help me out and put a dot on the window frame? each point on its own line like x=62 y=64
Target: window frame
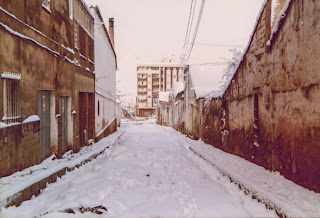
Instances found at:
x=11 y=97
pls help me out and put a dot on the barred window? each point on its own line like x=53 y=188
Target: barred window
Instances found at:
x=46 y=4
x=11 y=97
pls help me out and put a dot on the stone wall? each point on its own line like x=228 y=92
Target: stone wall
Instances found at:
x=273 y=100
x=19 y=147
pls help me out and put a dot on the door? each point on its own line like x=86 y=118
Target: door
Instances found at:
x=44 y=115
x=82 y=118
x=64 y=123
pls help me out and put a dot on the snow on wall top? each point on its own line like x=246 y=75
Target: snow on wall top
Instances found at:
x=177 y=88
x=86 y=7
x=31 y=118
x=273 y=33
x=281 y=16
x=164 y=96
x=206 y=79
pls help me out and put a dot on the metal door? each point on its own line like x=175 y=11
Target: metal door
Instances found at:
x=44 y=115
x=64 y=123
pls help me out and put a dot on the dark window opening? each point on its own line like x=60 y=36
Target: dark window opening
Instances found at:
x=98 y=108
x=256 y=120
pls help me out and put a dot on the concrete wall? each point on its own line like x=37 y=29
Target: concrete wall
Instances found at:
x=105 y=70
x=19 y=147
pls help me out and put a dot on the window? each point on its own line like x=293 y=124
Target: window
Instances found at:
x=46 y=4
x=91 y=48
x=82 y=37
x=11 y=97
x=70 y=9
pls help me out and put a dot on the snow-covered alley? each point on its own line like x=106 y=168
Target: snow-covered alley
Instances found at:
x=149 y=172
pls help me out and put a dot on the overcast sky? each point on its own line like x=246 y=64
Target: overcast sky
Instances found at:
x=148 y=30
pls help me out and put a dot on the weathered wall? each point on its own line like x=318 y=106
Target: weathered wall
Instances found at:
x=280 y=83
x=19 y=147
x=37 y=55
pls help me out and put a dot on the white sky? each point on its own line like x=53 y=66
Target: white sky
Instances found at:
x=148 y=30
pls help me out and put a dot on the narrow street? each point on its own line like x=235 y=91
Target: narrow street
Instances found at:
x=149 y=172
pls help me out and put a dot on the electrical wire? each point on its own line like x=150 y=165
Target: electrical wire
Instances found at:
x=195 y=33
x=189 y=28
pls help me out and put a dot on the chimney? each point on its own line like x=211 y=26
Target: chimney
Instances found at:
x=111 y=30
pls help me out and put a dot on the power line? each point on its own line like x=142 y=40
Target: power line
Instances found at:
x=217 y=45
x=189 y=28
x=195 y=32
x=213 y=63
x=185 y=39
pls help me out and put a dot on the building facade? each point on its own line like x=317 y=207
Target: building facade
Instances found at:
x=47 y=80
x=152 y=78
x=106 y=105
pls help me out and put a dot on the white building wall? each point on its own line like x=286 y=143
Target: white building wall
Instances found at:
x=105 y=70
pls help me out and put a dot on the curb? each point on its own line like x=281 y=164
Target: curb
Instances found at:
x=34 y=189
x=269 y=203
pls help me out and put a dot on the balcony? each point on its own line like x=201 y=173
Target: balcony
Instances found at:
x=142 y=93
x=142 y=78
x=155 y=84
x=142 y=100
x=142 y=85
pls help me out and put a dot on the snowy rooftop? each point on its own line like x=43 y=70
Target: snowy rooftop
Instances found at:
x=177 y=88
x=206 y=79
x=164 y=96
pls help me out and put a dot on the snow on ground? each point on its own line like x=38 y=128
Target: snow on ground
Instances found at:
x=292 y=199
x=20 y=180
x=149 y=172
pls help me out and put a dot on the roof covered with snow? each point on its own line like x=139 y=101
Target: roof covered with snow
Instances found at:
x=206 y=79
x=164 y=96
x=177 y=88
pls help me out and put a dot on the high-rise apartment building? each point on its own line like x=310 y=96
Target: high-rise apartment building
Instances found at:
x=152 y=78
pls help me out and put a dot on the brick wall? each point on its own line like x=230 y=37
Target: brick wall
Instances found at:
x=19 y=147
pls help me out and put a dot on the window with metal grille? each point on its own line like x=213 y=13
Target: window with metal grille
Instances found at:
x=46 y=4
x=11 y=97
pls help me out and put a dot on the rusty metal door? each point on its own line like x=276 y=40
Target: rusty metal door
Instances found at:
x=44 y=115
x=64 y=123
